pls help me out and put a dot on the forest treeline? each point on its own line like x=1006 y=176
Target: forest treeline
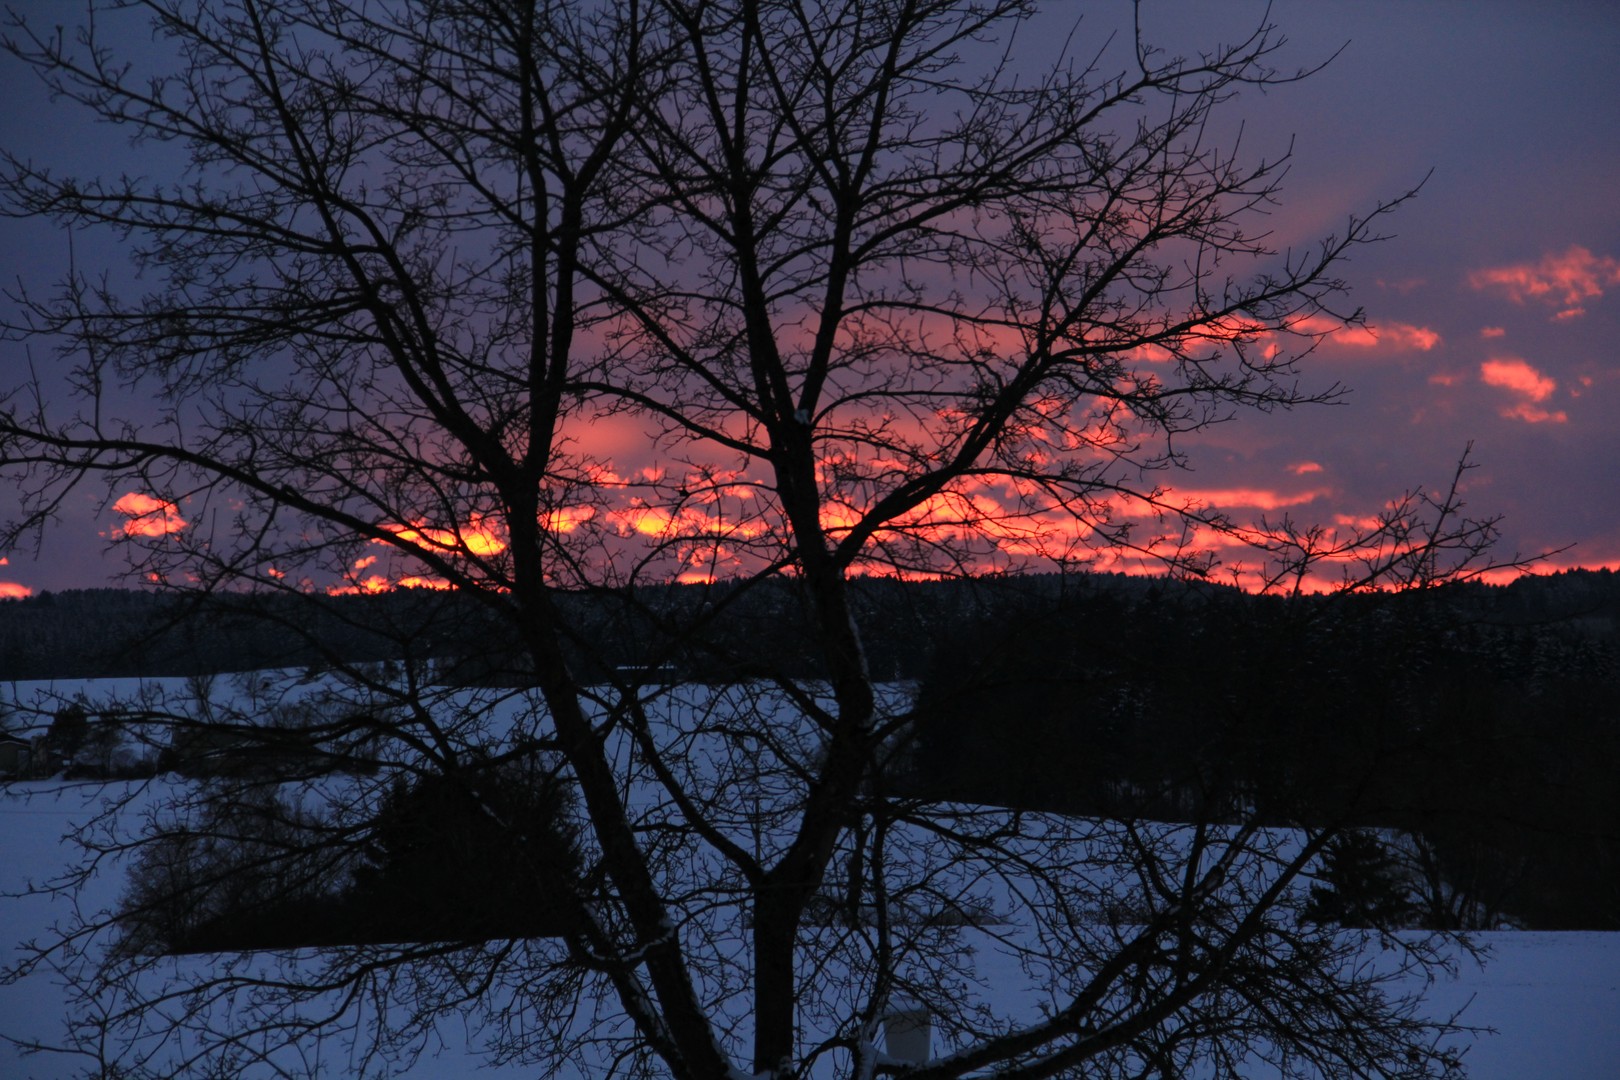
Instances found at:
x=1468 y=736
x=1477 y=724
x=727 y=631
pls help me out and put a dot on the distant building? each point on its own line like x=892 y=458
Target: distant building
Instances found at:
x=16 y=755
x=908 y=1032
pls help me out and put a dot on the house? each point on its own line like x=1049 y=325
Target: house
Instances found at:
x=908 y=1032
x=16 y=755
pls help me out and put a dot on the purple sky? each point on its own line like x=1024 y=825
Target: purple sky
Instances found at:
x=1495 y=308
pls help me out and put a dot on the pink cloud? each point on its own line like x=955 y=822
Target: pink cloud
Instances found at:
x=1405 y=336
x=1492 y=332
x=1518 y=376
x=1565 y=279
x=1399 y=336
x=1570 y=561
x=1521 y=378
x=1263 y=499
x=1534 y=414
x=10 y=590
x=146 y=516
x=1305 y=467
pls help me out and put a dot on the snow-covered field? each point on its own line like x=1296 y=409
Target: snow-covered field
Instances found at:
x=1552 y=999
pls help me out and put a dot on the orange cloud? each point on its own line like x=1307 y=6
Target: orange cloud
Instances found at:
x=377 y=583
x=478 y=537
x=1518 y=376
x=1565 y=279
x=147 y=516
x=10 y=590
x=474 y=538
x=708 y=515
x=565 y=519
x=417 y=582
x=1305 y=467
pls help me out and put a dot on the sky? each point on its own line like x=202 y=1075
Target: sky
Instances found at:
x=1493 y=308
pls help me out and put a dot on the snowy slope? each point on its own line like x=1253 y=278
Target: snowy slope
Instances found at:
x=1553 y=999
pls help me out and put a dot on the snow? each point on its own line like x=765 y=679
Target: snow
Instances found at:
x=34 y=818
x=1552 y=999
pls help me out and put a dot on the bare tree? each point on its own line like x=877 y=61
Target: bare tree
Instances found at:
x=878 y=301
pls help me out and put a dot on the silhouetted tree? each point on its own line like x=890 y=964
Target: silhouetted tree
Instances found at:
x=68 y=733
x=1362 y=885
x=469 y=857
x=879 y=302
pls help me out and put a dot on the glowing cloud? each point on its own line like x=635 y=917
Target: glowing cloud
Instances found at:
x=376 y=583
x=1256 y=498
x=1565 y=279
x=1305 y=467
x=475 y=538
x=1492 y=332
x=1518 y=376
x=566 y=519
x=1521 y=378
x=147 y=516
x=1405 y=336
x=1534 y=414
x=1392 y=336
x=10 y=590
x=417 y=582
